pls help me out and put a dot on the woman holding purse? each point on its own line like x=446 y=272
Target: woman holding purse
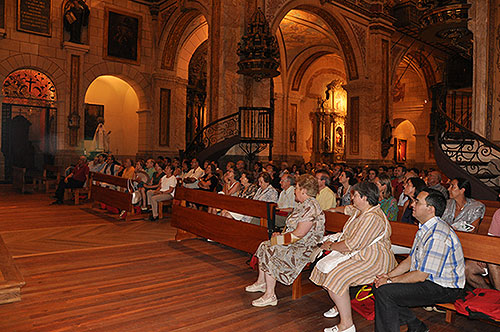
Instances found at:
x=365 y=241
x=284 y=256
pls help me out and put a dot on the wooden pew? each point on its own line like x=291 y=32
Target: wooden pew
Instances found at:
x=51 y=175
x=110 y=194
x=233 y=233
x=19 y=179
x=403 y=235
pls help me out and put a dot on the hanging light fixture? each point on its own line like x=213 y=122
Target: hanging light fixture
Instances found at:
x=258 y=49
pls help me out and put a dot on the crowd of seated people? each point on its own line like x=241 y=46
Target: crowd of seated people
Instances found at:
x=374 y=191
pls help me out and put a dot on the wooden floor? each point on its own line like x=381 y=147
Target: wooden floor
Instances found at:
x=86 y=271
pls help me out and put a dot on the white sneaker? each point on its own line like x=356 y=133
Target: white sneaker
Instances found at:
x=331 y=313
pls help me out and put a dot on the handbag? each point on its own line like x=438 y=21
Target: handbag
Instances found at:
x=328 y=263
x=363 y=303
x=136 y=195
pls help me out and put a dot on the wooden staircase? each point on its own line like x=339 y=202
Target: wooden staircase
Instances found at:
x=459 y=151
x=11 y=279
x=250 y=125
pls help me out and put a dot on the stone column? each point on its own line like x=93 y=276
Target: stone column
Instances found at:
x=480 y=25
x=225 y=87
x=363 y=122
x=177 y=118
x=144 y=134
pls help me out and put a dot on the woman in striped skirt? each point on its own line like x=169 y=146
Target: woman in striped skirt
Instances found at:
x=366 y=237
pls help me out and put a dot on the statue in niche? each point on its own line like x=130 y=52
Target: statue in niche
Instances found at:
x=339 y=137
x=101 y=137
x=76 y=16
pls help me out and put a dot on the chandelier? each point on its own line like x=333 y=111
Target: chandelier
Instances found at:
x=258 y=49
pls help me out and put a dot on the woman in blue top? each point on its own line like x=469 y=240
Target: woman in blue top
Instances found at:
x=388 y=204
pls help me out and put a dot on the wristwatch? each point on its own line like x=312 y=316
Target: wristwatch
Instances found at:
x=389 y=281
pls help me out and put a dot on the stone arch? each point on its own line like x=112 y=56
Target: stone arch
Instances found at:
x=422 y=61
x=406 y=129
x=188 y=47
x=326 y=71
x=127 y=73
x=172 y=37
x=44 y=65
x=303 y=63
x=338 y=27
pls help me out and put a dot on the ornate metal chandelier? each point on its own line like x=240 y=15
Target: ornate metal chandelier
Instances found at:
x=258 y=50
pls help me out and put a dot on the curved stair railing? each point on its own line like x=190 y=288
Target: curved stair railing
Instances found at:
x=477 y=157
x=248 y=125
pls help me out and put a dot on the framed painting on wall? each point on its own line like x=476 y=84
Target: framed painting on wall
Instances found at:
x=122 y=40
x=93 y=113
x=401 y=147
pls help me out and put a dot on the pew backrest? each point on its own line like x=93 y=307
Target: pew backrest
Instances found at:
x=475 y=246
x=103 y=190
x=233 y=233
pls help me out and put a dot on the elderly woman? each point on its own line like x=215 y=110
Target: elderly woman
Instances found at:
x=388 y=204
x=366 y=238
x=462 y=212
x=346 y=179
x=247 y=190
x=284 y=256
x=265 y=193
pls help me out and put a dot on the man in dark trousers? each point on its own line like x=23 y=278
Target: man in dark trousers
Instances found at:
x=433 y=273
x=75 y=179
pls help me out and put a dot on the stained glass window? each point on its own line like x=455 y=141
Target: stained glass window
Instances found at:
x=29 y=87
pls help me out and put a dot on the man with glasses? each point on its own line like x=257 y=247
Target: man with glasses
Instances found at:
x=433 y=273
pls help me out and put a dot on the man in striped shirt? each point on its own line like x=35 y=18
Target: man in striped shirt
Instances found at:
x=433 y=273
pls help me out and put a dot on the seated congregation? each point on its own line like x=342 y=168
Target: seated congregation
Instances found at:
x=434 y=272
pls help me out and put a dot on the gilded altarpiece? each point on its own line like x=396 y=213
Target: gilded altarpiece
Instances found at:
x=329 y=124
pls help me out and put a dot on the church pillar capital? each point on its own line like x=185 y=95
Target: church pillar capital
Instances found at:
x=143 y=112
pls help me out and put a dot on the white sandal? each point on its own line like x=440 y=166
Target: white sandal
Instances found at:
x=332 y=313
x=336 y=329
x=256 y=288
x=261 y=302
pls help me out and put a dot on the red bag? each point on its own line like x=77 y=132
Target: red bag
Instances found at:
x=480 y=304
x=363 y=303
x=254 y=262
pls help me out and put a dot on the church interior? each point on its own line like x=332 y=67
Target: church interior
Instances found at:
x=358 y=84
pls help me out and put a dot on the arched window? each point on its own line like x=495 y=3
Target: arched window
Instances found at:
x=29 y=87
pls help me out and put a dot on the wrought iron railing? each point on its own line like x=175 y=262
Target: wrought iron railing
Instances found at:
x=250 y=124
x=475 y=154
x=256 y=124
x=215 y=132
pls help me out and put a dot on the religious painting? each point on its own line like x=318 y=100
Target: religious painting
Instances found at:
x=2 y=14
x=122 y=36
x=164 y=117
x=401 y=146
x=93 y=113
x=33 y=16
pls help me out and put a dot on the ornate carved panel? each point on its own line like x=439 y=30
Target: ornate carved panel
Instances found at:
x=29 y=86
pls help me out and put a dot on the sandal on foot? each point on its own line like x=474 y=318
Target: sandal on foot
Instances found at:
x=332 y=313
x=261 y=302
x=256 y=288
x=336 y=329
